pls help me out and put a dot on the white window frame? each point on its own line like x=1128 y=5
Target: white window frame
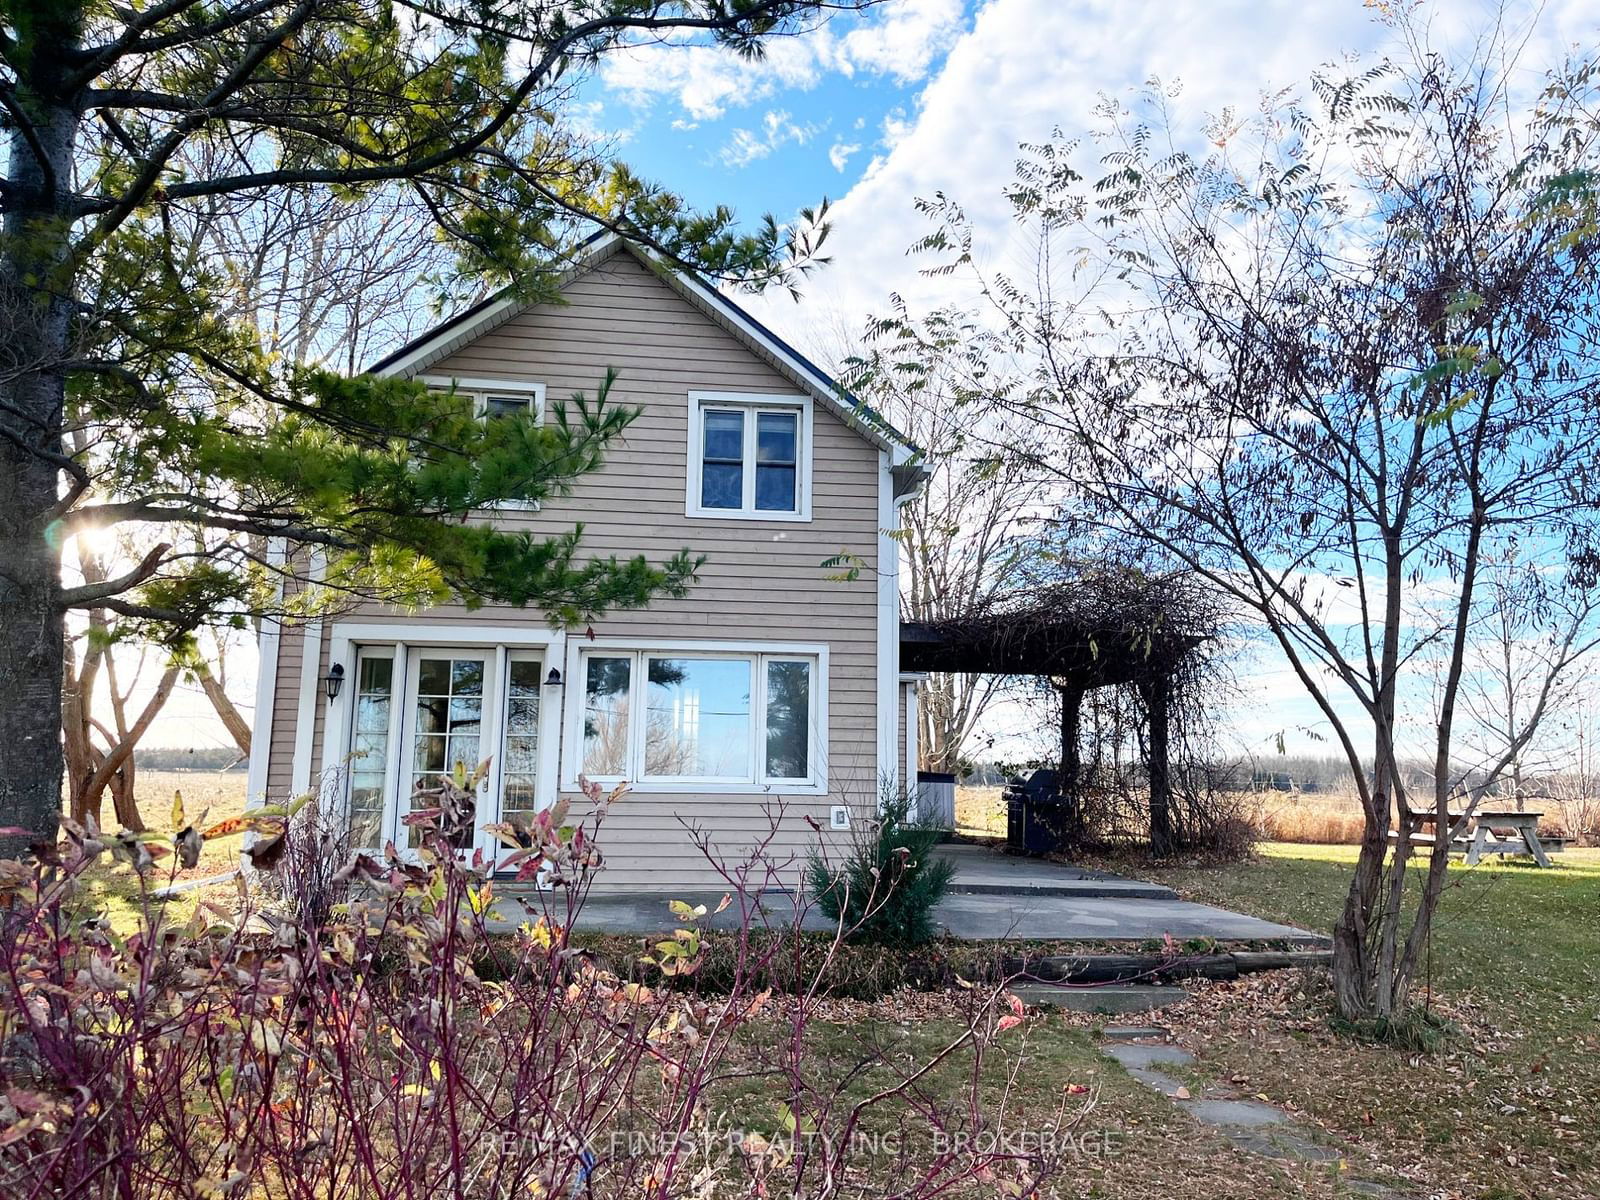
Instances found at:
x=758 y=654
x=480 y=389
x=751 y=404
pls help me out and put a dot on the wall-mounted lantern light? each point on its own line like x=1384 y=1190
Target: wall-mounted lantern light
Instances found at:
x=553 y=679
x=333 y=680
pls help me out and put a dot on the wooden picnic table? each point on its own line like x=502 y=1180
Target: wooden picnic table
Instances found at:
x=1513 y=833
x=1487 y=831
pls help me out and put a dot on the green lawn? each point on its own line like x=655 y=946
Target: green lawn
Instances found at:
x=1507 y=1107
x=1525 y=940
x=114 y=891
x=1045 y=1082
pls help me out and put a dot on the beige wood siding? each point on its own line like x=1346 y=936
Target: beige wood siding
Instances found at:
x=762 y=581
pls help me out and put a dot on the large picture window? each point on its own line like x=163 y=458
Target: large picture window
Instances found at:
x=749 y=457
x=689 y=717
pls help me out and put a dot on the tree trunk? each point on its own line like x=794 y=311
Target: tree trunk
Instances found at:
x=36 y=308
x=237 y=727
x=116 y=769
x=1361 y=980
x=1072 y=761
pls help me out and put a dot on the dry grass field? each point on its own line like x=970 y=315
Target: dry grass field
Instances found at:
x=1306 y=818
x=208 y=796
x=1279 y=816
x=220 y=791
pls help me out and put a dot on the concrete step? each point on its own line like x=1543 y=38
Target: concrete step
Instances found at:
x=1114 y=998
x=1135 y=1033
x=1080 y=889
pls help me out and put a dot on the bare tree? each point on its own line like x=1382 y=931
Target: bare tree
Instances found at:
x=211 y=673
x=1524 y=666
x=99 y=756
x=1332 y=363
x=964 y=536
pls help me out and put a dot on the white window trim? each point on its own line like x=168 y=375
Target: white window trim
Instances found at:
x=572 y=742
x=751 y=402
x=479 y=388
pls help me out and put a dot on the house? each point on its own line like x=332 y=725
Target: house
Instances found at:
x=773 y=688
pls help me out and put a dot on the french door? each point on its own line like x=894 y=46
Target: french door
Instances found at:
x=422 y=711
x=445 y=729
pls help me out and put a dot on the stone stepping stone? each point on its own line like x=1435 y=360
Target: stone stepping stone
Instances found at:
x=1254 y=1127
x=1144 y=1063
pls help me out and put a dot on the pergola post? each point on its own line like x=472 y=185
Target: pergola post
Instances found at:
x=1157 y=697
x=1072 y=760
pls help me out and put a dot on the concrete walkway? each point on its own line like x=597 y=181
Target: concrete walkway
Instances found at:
x=993 y=897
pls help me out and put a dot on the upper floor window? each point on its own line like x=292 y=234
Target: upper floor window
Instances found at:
x=750 y=456
x=493 y=398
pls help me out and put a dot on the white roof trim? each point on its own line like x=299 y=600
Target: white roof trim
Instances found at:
x=449 y=338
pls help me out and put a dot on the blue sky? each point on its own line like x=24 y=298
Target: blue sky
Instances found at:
x=784 y=132
x=789 y=152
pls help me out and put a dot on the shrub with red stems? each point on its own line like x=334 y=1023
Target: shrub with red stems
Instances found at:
x=348 y=1047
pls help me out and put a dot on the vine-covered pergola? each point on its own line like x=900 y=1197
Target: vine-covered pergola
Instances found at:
x=1080 y=635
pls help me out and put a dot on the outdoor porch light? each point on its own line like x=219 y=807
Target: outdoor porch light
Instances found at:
x=333 y=680
x=553 y=679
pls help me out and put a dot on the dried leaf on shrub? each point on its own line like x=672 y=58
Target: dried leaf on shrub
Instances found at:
x=267 y=853
x=254 y=823
x=189 y=844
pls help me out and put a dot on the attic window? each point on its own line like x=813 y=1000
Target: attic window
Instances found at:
x=749 y=457
x=493 y=398
x=496 y=399
x=504 y=404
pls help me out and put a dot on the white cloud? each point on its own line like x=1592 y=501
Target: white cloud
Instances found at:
x=896 y=128
x=899 y=40
x=705 y=80
x=589 y=120
x=839 y=153
x=777 y=129
x=1028 y=66
x=904 y=43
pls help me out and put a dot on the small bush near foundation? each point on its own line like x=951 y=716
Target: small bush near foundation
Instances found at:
x=885 y=889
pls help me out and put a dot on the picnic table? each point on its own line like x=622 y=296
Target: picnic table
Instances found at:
x=1488 y=831
x=1514 y=833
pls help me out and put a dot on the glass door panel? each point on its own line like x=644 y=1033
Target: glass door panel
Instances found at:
x=519 y=759
x=369 y=759
x=446 y=724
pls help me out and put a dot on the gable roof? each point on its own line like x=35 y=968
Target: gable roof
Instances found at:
x=493 y=311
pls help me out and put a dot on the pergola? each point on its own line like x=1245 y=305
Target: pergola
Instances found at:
x=1077 y=654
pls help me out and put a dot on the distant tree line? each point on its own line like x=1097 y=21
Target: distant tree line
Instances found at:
x=190 y=758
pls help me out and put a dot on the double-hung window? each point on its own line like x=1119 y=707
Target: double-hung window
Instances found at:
x=494 y=399
x=676 y=720
x=749 y=456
